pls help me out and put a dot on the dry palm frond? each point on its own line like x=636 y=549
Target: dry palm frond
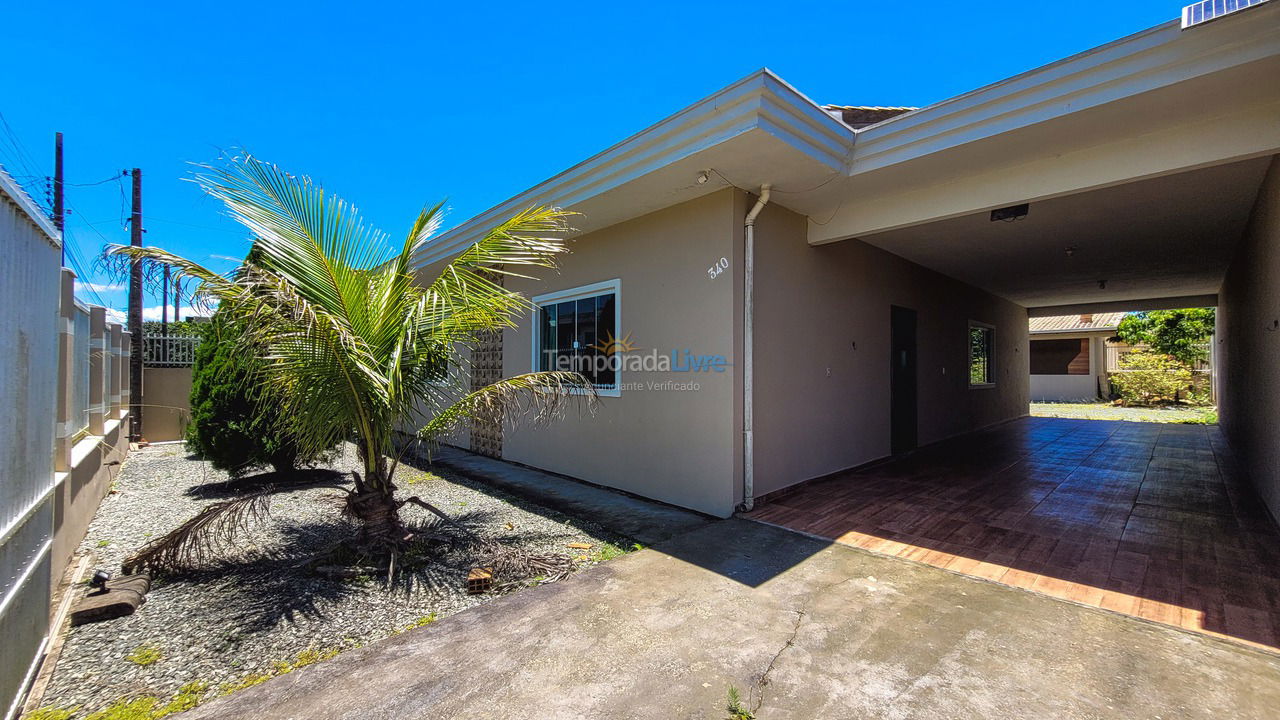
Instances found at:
x=207 y=534
x=512 y=565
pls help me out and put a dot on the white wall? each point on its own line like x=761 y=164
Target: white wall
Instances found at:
x=1248 y=336
x=29 y=301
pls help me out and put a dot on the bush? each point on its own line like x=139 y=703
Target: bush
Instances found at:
x=1150 y=378
x=233 y=425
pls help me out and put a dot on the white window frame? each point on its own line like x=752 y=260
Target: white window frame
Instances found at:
x=969 y=355
x=600 y=288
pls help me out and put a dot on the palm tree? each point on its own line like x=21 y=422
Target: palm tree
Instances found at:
x=352 y=344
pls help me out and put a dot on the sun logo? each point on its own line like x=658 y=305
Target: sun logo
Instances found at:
x=611 y=345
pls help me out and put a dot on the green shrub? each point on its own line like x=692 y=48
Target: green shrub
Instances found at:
x=1150 y=378
x=234 y=424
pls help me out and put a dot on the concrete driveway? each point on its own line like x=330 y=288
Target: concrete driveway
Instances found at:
x=803 y=628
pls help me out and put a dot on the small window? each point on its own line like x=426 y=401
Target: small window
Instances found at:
x=576 y=330
x=982 y=370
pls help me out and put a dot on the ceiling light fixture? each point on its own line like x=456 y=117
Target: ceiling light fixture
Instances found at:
x=703 y=177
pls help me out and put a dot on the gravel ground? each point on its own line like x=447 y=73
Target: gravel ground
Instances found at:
x=1199 y=415
x=239 y=618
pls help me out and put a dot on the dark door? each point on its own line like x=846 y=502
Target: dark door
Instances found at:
x=902 y=379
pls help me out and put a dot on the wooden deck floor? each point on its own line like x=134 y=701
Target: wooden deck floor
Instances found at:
x=1144 y=519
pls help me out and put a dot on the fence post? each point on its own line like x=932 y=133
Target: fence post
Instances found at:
x=66 y=365
x=113 y=371
x=97 y=369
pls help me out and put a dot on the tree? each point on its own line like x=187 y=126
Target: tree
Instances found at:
x=352 y=346
x=234 y=423
x=152 y=328
x=1179 y=333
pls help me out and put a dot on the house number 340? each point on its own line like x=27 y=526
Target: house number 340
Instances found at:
x=721 y=265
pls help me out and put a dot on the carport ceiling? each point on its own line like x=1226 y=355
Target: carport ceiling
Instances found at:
x=1167 y=236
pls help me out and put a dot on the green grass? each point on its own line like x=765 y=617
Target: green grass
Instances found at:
x=143 y=707
x=423 y=621
x=609 y=551
x=148 y=707
x=1179 y=414
x=310 y=656
x=145 y=655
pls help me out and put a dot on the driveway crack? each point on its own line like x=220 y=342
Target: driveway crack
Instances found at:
x=791 y=640
x=764 y=676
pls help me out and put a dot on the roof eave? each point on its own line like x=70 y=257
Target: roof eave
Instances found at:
x=760 y=101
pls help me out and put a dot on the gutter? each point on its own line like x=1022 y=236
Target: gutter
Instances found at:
x=748 y=370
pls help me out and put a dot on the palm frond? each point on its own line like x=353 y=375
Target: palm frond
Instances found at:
x=214 y=529
x=539 y=396
x=467 y=297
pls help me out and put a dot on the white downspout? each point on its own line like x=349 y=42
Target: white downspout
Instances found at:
x=748 y=331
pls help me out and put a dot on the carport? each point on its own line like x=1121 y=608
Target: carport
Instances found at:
x=1141 y=175
x=1150 y=520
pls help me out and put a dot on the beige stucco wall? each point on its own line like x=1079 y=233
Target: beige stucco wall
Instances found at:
x=822 y=353
x=95 y=462
x=673 y=445
x=1248 y=347
x=166 y=398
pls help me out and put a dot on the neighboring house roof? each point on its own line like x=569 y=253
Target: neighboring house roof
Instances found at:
x=1106 y=322
x=12 y=191
x=860 y=116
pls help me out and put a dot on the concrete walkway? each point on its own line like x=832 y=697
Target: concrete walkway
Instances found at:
x=643 y=520
x=804 y=629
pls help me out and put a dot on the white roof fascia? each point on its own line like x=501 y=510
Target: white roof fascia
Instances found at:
x=1147 y=60
x=758 y=101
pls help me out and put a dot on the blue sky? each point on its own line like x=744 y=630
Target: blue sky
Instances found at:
x=395 y=105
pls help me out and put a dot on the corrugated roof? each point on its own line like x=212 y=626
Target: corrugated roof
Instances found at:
x=1076 y=323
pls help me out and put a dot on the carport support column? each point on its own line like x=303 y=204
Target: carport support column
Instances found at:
x=748 y=336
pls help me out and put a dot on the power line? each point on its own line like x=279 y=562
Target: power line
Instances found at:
x=24 y=158
x=113 y=178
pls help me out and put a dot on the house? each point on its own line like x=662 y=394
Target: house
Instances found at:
x=769 y=290
x=1069 y=356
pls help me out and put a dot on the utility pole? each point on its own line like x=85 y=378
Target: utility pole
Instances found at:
x=59 y=220
x=135 y=313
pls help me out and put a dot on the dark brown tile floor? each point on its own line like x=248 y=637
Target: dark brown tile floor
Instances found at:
x=1146 y=519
